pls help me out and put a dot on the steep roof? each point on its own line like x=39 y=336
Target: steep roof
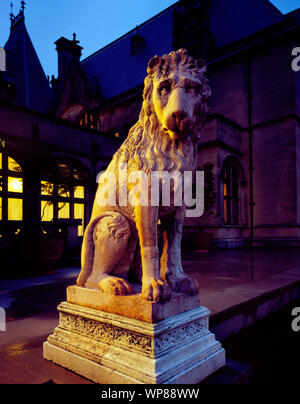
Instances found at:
x=233 y=20
x=32 y=89
x=119 y=70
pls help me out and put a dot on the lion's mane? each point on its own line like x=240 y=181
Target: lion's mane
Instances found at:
x=147 y=145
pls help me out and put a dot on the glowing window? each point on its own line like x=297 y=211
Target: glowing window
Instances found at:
x=11 y=188
x=61 y=202
x=63 y=193
x=47 y=211
x=89 y=120
x=15 y=209
x=47 y=188
x=79 y=214
x=79 y=192
x=13 y=165
x=15 y=185
x=63 y=210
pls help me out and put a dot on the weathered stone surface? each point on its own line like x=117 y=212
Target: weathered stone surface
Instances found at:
x=164 y=141
x=95 y=344
x=132 y=306
x=106 y=327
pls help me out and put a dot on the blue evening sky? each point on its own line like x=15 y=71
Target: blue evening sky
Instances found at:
x=96 y=22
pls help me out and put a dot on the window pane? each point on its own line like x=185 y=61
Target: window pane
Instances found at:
x=15 y=209
x=15 y=185
x=79 y=214
x=47 y=211
x=0 y=208
x=63 y=210
x=234 y=211
x=225 y=189
x=13 y=165
x=46 y=188
x=62 y=193
x=79 y=192
x=1 y=161
x=225 y=211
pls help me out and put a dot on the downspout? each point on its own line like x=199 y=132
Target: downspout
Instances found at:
x=250 y=147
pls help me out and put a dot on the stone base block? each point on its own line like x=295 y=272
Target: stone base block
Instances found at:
x=112 y=349
x=133 y=306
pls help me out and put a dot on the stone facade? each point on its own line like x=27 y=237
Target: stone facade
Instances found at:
x=253 y=115
x=252 y=128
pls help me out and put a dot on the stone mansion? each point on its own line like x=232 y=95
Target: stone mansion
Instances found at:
x=80 y=118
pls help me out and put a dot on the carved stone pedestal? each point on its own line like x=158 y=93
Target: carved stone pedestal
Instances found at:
x=113 y=349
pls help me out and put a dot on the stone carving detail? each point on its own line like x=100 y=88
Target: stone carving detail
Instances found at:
x=180 y=335
x=106 y=333
x=164 y=140
x=146 y=344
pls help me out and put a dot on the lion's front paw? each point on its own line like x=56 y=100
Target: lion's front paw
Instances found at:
x=156 y=290
x=115 y=286
x=183 y=284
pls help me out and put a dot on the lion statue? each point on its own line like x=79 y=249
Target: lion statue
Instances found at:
x=121 y=239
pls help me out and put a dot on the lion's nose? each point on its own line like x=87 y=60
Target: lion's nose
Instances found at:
x=179 y=116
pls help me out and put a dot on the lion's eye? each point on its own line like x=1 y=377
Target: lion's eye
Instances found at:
x=164 y=89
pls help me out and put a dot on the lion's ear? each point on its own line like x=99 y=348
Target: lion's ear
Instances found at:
x=154 y=64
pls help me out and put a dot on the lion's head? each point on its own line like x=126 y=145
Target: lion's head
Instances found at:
x=175 y=102
x=177 y=91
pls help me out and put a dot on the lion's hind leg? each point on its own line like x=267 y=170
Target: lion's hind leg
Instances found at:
x=110 y=238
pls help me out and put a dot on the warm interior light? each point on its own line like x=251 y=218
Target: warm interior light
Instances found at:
x=79 y=192
x=79 y=214
x=46 y=188
x=13 y=165
x=15 y=185
x=15 y=209
x=63 y=210
x=62 y=193
x=225 y=189
x=47 y=211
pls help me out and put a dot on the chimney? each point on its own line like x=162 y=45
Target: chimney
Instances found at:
x=68 y=51
x=2 y=60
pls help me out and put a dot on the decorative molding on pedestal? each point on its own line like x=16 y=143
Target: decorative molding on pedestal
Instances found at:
x=109 y=348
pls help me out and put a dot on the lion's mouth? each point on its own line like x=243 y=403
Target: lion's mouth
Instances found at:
x=177 y=128
x=175 y=133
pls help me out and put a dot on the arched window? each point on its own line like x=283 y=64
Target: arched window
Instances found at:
x=11 y=188
x=89 y=119
x=65 y=199
x=232 y=179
